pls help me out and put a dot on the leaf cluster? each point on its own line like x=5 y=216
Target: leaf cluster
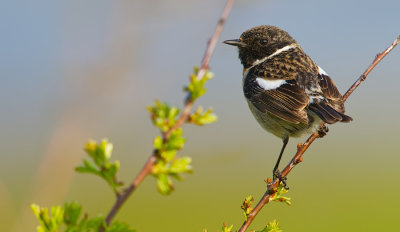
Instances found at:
x=100 y=164
x=246 y=206
x=171 y=140
x=201 y=118
x=163 y=115
x=278 y=196
x=70 y=216
x=70 y=219
x=271 y=227
x=196 y=85
x=167 y=164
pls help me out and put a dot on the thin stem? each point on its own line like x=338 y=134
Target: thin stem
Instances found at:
x=377 y=59
x=121 y=198
x=301 y=148
x=147 y=168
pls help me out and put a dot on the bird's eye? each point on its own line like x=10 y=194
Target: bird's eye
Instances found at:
x=263 y=41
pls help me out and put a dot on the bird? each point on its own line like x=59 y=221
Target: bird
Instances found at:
x=287 y=92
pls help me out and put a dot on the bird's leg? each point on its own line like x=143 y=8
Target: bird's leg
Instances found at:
x=322 y=131
x=276 y=172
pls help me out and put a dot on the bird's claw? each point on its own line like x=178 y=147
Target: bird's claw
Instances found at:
x=278 y=175
x=322 y=131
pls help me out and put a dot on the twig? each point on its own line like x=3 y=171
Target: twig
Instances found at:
x=204 y=65
x=147 y=168
x=301 y=148
x=378 y=58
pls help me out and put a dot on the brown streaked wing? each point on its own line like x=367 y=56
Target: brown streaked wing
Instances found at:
x=286 y=102
x=330 y=92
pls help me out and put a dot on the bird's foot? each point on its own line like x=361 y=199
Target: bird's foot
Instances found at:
x=322 y=131
x=277 y=174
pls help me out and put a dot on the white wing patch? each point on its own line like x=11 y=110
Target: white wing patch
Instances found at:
x=321 y=71
x=269 y=84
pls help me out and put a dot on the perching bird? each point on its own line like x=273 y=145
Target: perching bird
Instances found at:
x=288 y=94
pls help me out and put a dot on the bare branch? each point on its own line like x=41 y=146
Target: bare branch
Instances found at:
x=301 y=148
x=377 y=59
x=147 y=168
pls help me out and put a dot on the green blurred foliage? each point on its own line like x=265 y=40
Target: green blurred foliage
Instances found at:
x=271 y=227
x=226 y=228
x=100 y=155
x=201 y=118
x=278 y=196
x=49 y=222
x=196 y=86
x=171 y=141
x=70 y=217
x=163 y=116
x=167 y=164
x=71 y=214
x=246 y=206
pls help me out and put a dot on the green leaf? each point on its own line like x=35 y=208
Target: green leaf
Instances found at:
x=207 y=119
x=109 y=174
x=168 y=155
x=278 y=195
x=72 y=213
x=93 y=224
x=100 y=155
x=196 y=86
x=49 y=223
x=246 y=206
x=175 y=141
x=87 y=168
x=106 y=148
x=200 y=118
x=172 y=114
x=163 y=116
x=87 y=225
x=181 y=165
x=159 y=167
x=57 y=214
x=91 y=147
x=271 y=227
x=158 y=143
x=227 y=228
x=119 y=227
x=164 y=184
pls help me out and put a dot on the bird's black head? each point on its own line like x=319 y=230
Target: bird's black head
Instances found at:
x=260 y=42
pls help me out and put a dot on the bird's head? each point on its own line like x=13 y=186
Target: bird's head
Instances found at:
x=260 y=42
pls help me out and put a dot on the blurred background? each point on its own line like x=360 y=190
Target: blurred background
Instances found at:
x=75 y=70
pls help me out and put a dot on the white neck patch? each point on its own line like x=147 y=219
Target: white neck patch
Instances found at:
x=287 y=47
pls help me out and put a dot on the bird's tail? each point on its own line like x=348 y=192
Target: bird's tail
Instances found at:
x=327 y=113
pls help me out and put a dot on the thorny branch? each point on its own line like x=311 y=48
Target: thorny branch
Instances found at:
x=147 y=168
x=301 y=148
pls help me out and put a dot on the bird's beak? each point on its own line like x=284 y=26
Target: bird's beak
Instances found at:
x=235 y=42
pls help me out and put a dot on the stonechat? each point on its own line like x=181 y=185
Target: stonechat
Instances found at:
x=287 y=92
